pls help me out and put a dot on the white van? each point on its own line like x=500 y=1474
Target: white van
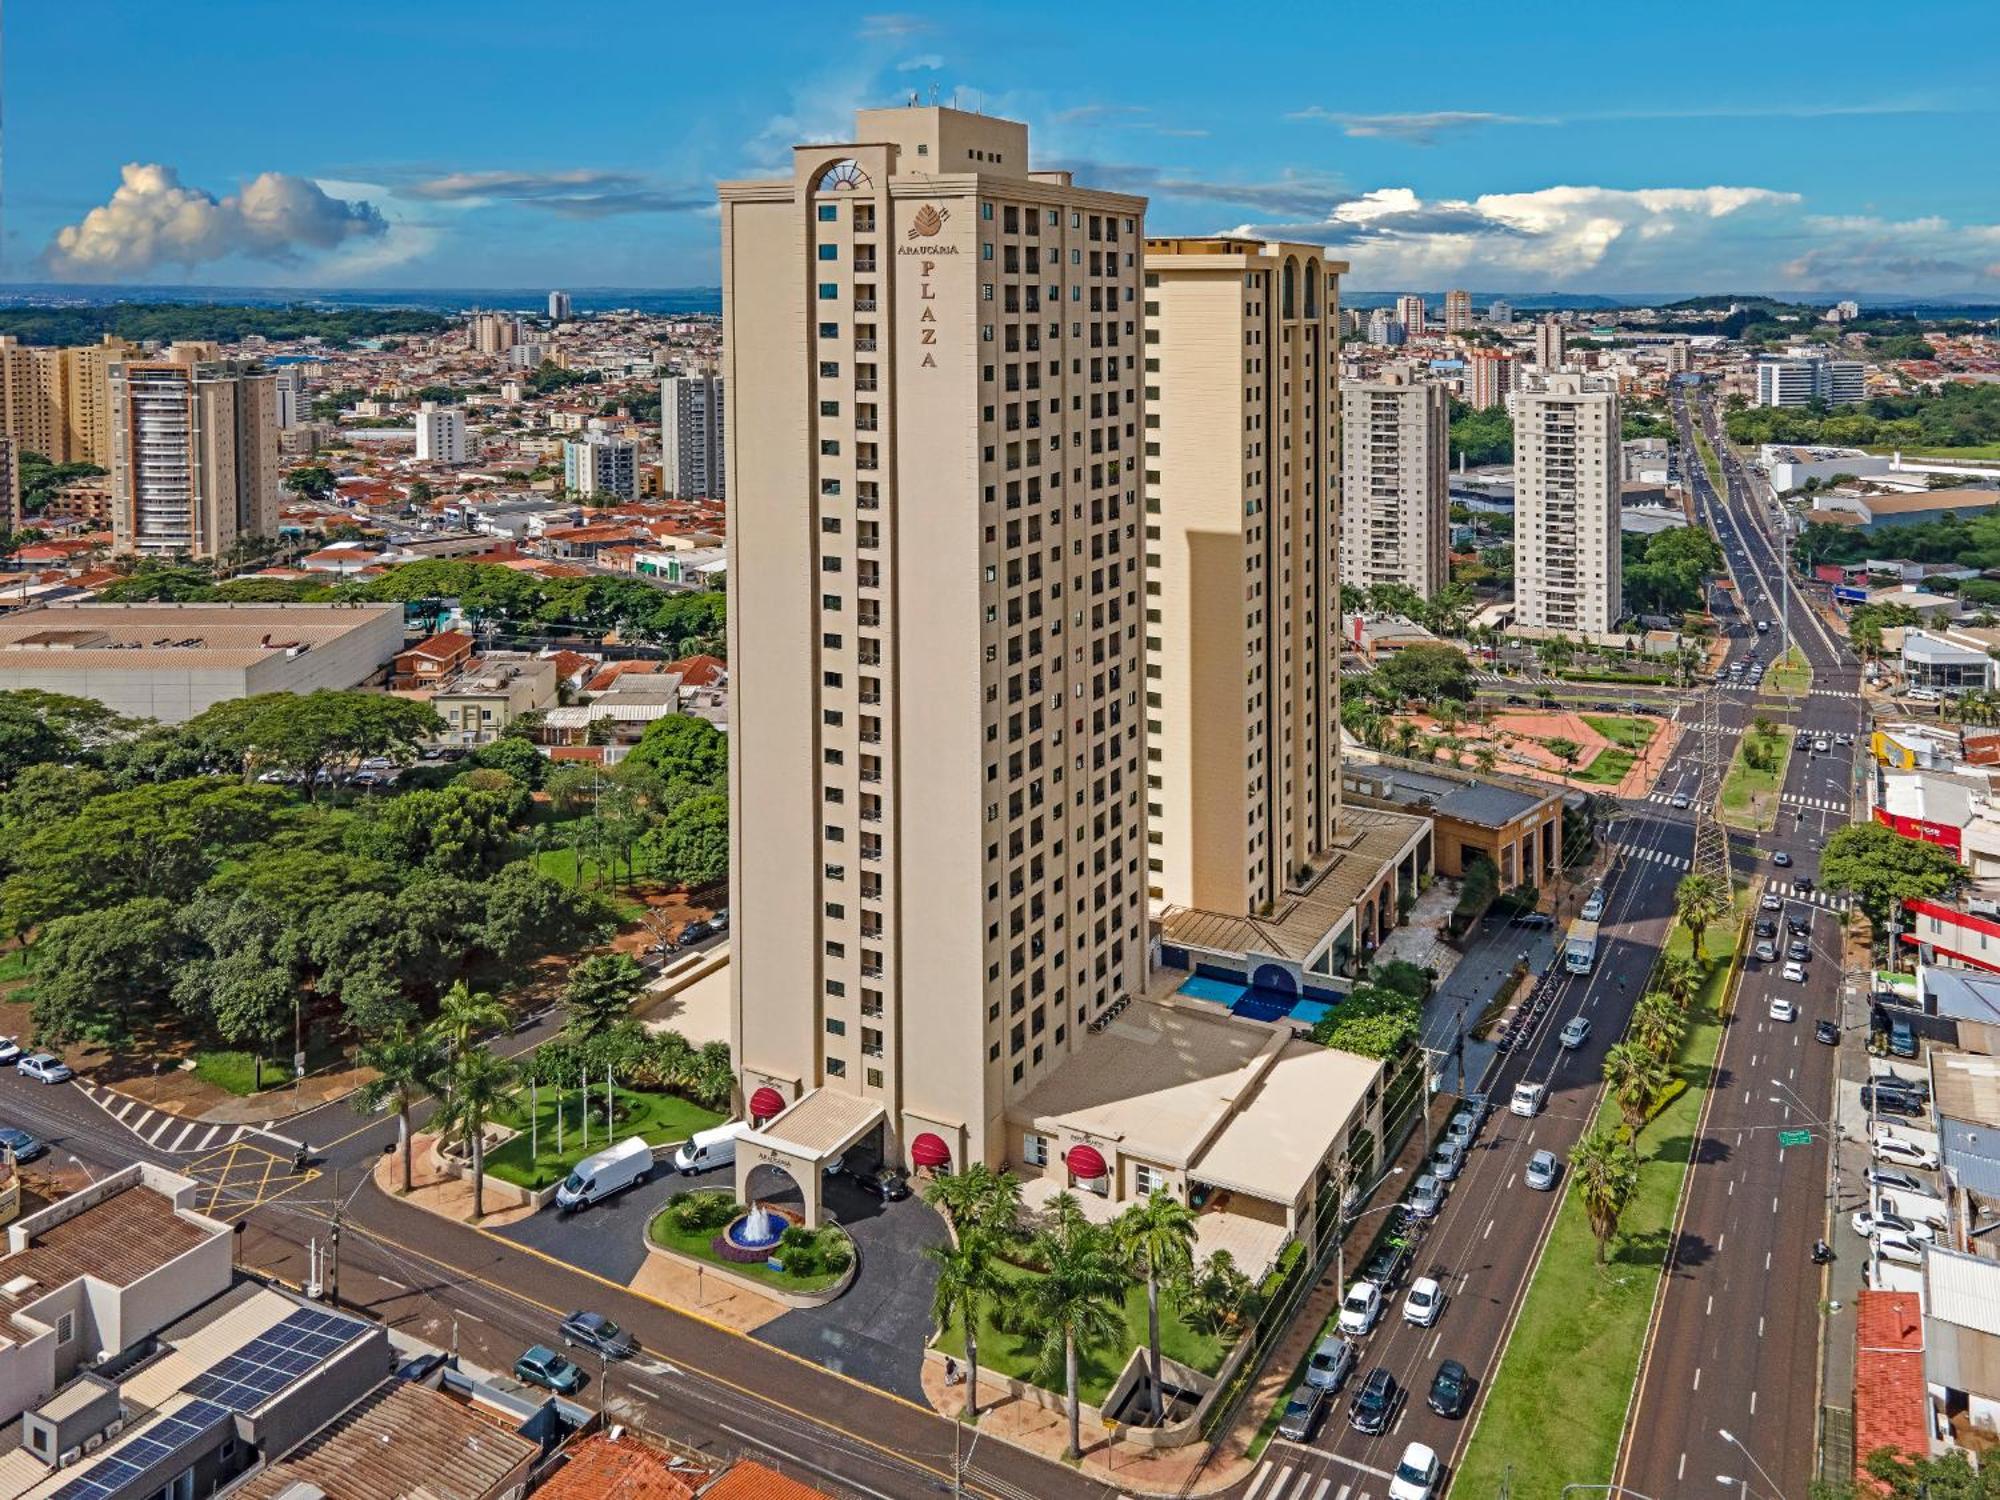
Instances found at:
x=609 y=1171
x=715 y=1147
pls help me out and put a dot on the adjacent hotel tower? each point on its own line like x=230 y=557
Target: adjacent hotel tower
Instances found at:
x=1242 y=674
x=1567 y=563
x=932 y=375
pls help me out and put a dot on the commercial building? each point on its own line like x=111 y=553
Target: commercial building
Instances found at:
x=1567 y=562
x=171 y=661
x=1800 y=380
x=441 y=434
x=600 y=464
x=1514 y=825
x=1913 y=509
x=1457 y=311
x=1492 y=378
x=1410 y=313
x=1551 y=344
x=194 y=456
x=558 y=307
x=937 y=835
x=1395 y=448
x=692 y=409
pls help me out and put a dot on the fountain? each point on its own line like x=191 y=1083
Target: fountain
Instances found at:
x=753 y=1235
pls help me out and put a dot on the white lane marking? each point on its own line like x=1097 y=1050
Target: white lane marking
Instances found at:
x=1434 y=1345
x=1697 y=1377
x=1257 y=1484
x=1709 y=1311
x=1760 y=1327
x=1488 y=1230
x=1753 y=1403
x=1324 y=1486
x=1681 y=1471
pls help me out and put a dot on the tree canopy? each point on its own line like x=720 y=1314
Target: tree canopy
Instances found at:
x=1883 y=869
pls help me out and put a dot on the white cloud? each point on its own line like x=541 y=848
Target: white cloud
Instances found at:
x=1417 y=128
x=154 y=220
x=927 y=62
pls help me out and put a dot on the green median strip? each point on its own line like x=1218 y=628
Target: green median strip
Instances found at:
x=1789 y=676
x=1556 y=1407
x=1756 y=776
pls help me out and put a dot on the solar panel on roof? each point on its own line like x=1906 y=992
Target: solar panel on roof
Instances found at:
x=152 y=1447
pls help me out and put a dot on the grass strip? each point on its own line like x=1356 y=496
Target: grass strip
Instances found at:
x=1750 y=793
x=1623 y=730
x=1555 y=1409
x=660 y=1118
x=1789 y=676
x=1709 y=461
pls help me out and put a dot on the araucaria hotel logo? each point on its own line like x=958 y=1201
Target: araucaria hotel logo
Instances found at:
x=928 y=221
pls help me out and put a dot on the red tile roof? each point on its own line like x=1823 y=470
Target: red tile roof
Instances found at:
x=701 y=671
x=1891 y=1403
x=598 y=1469
x=442 y=646
x=752 y=1481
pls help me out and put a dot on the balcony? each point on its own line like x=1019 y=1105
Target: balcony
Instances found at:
x=864 y=346
x=864 y=304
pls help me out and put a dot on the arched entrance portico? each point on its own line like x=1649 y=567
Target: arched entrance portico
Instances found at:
x=798 y=1144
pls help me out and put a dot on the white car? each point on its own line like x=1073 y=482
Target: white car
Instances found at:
x=10 y=1050
x=1416 y=1477
x=1771 y=902
x=1869 y=1222
x=1362 y=1307
x=1424 y=1302
x=1575 y=1032
x=1594 y=907
x=1527 y=1100
x=46 y=1067
x=1900 y=1248
x=1796 y=972
x=1888 y=1147
x=1783 y=1009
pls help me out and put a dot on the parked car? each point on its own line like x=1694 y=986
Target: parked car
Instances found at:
x=1541 y=1171
x=1416 y=1476
x=1424 y=1302
x=1916 y=1086
x=1449 y=1389
x=593 y=1330
x=1527 y=1100
x=1902 y=1038
x=1386 y=1266
x=1575 y=1032
x=1303 y=1410
x=1900 y=1248
x=1362 y=1307
x=693 y=933
x=1374 y=1403
x=1447 y=1160
x=1888 y=1101
x=544 y=1367
x=1904 y=1153
x=1463 y=1127
x=1783 y=1009
x=10 y=1050
x=44 y=1067
x=1893 y=1178
x=1828 y=1032
x=1426 y=1198
x=21 y=1145
x=1331 y=1363
x=885 y=1184
x=1869 y=1222
x=1593 y=906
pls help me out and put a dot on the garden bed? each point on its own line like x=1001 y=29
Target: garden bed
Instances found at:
x=692 y=1225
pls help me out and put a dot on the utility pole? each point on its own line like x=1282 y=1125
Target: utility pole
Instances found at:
x=333 y=1246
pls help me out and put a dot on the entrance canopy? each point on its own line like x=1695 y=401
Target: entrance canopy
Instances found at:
x=802 y=1140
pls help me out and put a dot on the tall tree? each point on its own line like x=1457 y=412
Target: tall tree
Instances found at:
x=1607 y=1173
x=1884 y=869
x=1072 y=1305
x=976 y=1198
x=1698 y=901
x=600 y=992
x=967 y=1281
x=407 y=1063
x=478 y=1084
x=1639 y=1079
x=1156 y=1237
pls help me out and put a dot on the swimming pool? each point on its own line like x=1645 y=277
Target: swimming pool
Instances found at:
x=1255 y=1004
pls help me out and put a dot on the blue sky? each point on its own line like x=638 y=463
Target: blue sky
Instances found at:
x=1826 y=146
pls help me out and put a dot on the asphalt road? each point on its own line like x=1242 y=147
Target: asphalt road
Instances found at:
x=1483 y=1244
x=1736 y=1343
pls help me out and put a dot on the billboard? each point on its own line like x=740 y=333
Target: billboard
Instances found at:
x=1851 y=596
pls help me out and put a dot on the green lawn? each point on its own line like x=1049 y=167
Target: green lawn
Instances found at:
x=660 y=1118
x=695 y=1243
x=1789 y=676
x=1709 y=461
x=1014 y=1354
x=1749 y=795
x=1555 y=1409
x=14 y=966
x=1623 y=729
x=1608 y=768
x=560 y=864
x=1976 y=452
x=234 y=1070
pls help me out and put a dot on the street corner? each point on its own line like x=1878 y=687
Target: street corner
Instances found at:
x=243 y=1175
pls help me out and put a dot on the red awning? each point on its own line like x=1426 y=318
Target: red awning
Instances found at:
x=1086 y=1163
x=928 y=1150
x=767 y=1103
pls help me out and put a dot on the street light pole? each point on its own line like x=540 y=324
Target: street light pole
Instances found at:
x=1729 y=1437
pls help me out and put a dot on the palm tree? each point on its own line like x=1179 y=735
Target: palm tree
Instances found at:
x=967 y=1279
x=1607 y=1174
x=406 y=1064
x=462 y=1013
x=1073 y=1304
x=1638 y=1077
x=977 y=1198
x=1657 y=1023
x=1679 y=979
x=1156 y=1238
x=1407 y=735
x=1485 y=757
x=1698 y=901
x=479 y=1082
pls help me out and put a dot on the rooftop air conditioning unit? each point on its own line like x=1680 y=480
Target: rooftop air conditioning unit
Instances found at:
x=92 y=1443
x=69 y=1456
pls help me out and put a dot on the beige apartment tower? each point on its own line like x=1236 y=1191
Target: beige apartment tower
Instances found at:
x=1567 y=562
x=1242 y=674
x=932 y=376
x=57 y=402
x=1492 y=378
x=1457 y=311
x=1551 y=344
x=194 y=461
x=1394 y=521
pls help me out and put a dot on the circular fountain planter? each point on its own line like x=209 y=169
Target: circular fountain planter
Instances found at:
x=750 y=1238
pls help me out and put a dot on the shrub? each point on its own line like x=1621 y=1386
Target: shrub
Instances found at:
x=694 y=1212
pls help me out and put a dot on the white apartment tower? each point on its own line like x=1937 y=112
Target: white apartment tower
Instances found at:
x=441 y=435
x=691 y=436
x=1567 y=573
x=559 y=307
x=1242 y=672
x=288 y=385
x=1551 y=344
x=1410 y=313
x=1799 y=380
x=937 y=739
x=1385 y=328
x=1395 y=444
x=194 y=456
x=1457 y=311
x=598 y=464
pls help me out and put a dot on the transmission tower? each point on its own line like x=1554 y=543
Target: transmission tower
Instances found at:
x=1711 y=840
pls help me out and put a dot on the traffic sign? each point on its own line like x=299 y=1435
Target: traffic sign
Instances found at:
x=1794 y=1138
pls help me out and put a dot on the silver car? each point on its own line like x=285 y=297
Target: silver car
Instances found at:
x=1331 y=1363
x=1541 y=1173
x=1426 y=1198
x=1447 y=1160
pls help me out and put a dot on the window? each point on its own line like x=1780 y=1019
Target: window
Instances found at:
x=1035 y=1149
x=835 y=1028
x=835 y=1068
x=828 y=291
x=1147 y=1180
x=829 y=212
x=65 y=1328
x=829 y=252
x=874 y=1078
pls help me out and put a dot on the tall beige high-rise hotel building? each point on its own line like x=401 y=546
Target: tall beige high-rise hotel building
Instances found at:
x=1242 y=671
x=933 y=376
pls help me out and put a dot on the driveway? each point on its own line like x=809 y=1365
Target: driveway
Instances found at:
x=609 y=1239
x=875 y=1332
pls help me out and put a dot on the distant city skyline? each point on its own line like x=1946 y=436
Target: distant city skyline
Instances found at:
x=442 y=147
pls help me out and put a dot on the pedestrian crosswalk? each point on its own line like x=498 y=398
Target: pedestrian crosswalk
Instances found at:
x=1647 y=855
x=1666 y=798
x=1790 y=892
x=160 y=1130
x=1274 y=1475
x=1815 y=804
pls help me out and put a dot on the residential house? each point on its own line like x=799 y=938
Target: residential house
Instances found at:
x=432 y=662
x=491 y=692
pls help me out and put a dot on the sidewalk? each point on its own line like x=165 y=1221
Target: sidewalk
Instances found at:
x=1462 y=998
x=435 y=1193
